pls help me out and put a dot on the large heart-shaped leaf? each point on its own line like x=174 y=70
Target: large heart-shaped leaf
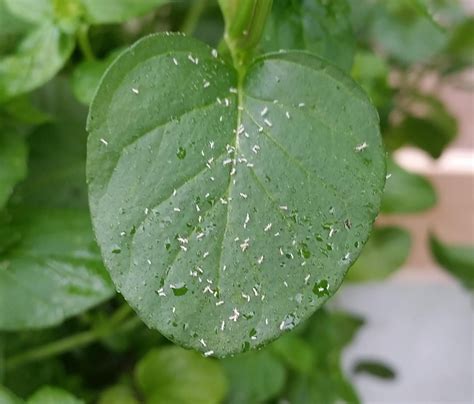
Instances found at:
x=229 y=210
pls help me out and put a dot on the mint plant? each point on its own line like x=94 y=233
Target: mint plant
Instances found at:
x=236 y=156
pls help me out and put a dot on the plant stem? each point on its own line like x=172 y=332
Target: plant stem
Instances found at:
x=84 y=43
x=116 y=323
x=192 y=17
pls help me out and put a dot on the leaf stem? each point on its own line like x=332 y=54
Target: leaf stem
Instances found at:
x=84 y=43
x=192 y=17
x=115 y=323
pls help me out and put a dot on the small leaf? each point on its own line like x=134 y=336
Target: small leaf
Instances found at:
x=13 y=162
x=119 y=394
x=374 y=368
x=385 y=252
x=274 y=170
x=406 y=192
x=53 y=272
x=406 y=30
x=38 y=58
x=295 y=351
x=53 y=395
x=87 y=75
x=116 y=11
x=255 y=377
x=174 y=375
x=458 y=260
x=322 y=27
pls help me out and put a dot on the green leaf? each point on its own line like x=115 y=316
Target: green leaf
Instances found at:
x=385 y=252
x=13 y=162
x=273 y=217
x=406 y=192
x=7 y=397
x=375 y=368
x=460 y=48
x=116 y=11
x=320 y=26
x=87 y=75
x=406 y=31
x=53 y=395
x=53 y=272
x=327 y=333
x=174 y=375
x=38 y=58
x=255 y=377
x=295 y=351
x=22 y=110
x=458 y=260
x=33 y=11
x=119 y=394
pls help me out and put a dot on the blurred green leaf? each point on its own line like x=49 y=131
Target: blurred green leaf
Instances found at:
x=22 y=110
x=37 y=60
x=406 y=31
x=374 y=368
x=327 y=333
x=119 y=394
x=116 y=11
x=34 y=11
x=53 y=272
x=11 y=29
x=255 y=377
x=7 y=397
x=385 y=251
x=458 y=260
x=406 y=192
x=13 y=162
x=460 y=49
x=53 y=395
x=87 y=75
x=371 y=72
x=295 y=352
x=320 y=26
x=175 y=375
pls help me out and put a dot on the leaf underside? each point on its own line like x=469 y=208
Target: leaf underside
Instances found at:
x=228 y=212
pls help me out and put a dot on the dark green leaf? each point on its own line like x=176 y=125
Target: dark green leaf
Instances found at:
x=174 y=375
x=406 y=192
x=374 y=368
x=406 y=31
x=458 y=260
x=53 y=272
x=320 y=26
x=280 y=211
x=38 y=58
x=295 y=351
x=87 y=75
x=385 y=252
x=13 y=162
x=328 y=334
x=115 y=11
x=255 y=377
x=53 y=395
x=460 y=49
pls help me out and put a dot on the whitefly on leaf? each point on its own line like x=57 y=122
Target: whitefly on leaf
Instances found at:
x=221 y=204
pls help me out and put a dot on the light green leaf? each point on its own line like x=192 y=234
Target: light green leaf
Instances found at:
x=458 y=260
x=11 y=29
x=33 y=11
x=406 y=192
x=406 y=31
x=119 y=394
x=385 y=252
x=116 y=11
x=13 y=162
x=264 y=222
x=39 y=57
x=174 y=375
x=7 y=397
x=53 y=395
x=21 y=109
x=255 y=377
x=328 y=334
x=295 y=351
x=320 y=26
x=87 y=75
x=52 y=272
